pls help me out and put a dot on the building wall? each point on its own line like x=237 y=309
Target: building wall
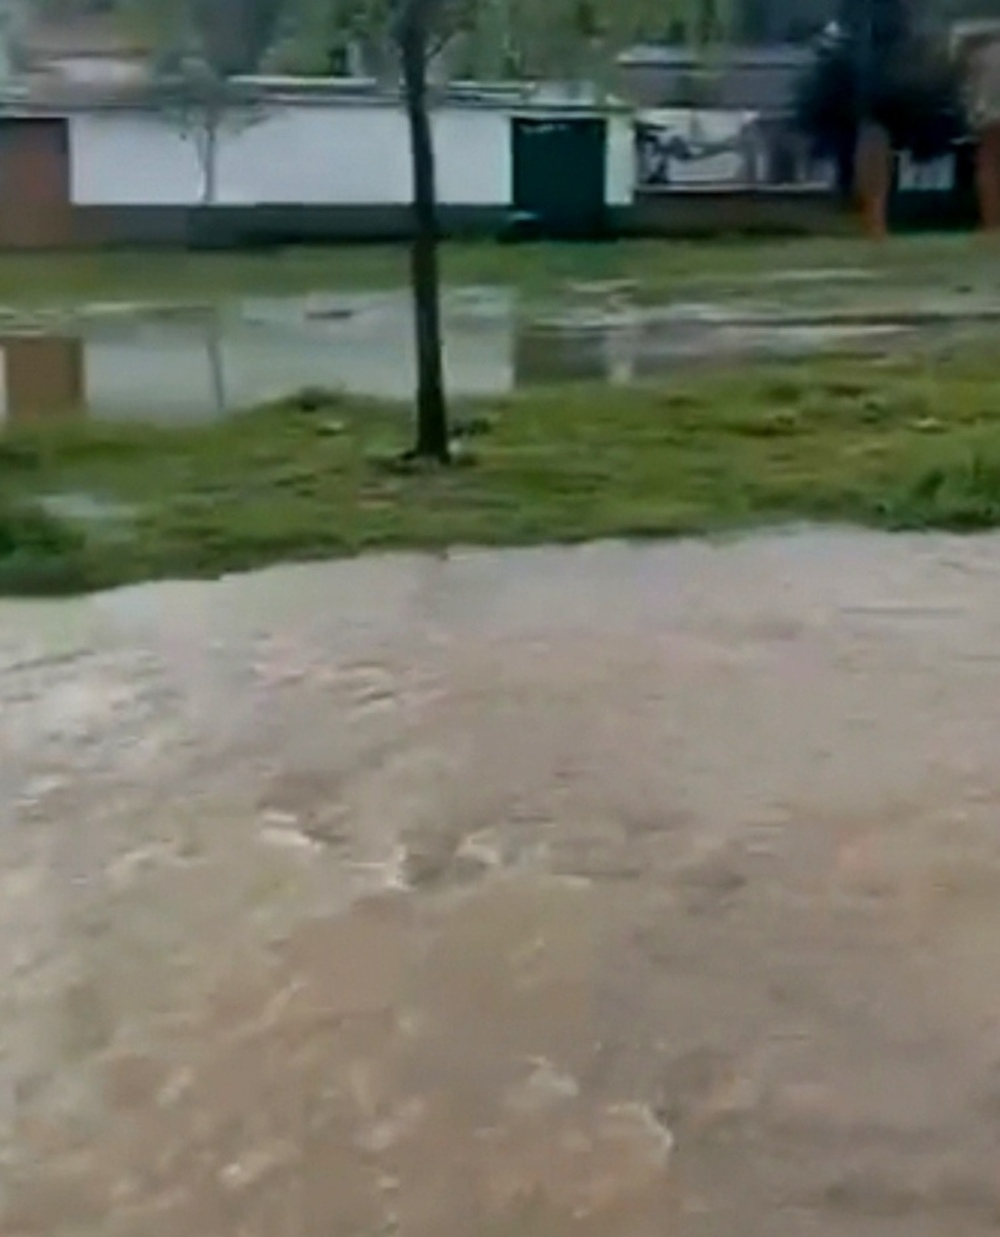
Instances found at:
x=130 y=160
x=620 y=186
x=709 y=212
x=308 y=155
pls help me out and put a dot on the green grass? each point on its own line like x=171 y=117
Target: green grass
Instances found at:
x=910 y=442
x=897 y=443
x=657 y=266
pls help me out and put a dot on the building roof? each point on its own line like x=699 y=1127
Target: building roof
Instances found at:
x=43 y=95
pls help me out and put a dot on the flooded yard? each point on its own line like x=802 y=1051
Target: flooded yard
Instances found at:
x=187 y=363
x=615 y=890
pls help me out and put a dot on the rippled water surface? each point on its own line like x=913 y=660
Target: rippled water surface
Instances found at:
x=613 y=890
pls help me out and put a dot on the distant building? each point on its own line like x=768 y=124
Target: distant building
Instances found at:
x=760 y=79
x=84 y=165
x=92 y=49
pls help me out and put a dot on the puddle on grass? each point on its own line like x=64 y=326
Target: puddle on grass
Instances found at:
x=190 y=363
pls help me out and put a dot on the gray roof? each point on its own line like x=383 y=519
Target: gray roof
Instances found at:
x=54 y=97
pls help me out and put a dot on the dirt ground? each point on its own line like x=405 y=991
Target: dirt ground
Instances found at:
x=607 y=891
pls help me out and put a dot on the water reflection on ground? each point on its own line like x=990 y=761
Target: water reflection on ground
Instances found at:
x=187 y=364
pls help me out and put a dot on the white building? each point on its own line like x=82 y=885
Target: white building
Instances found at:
x=350 y=153
x=335 y=160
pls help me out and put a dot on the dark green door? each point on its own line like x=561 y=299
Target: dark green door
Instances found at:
x=559 y=174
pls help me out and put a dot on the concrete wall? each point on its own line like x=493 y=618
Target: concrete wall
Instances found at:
x=705 y=212
x=314 y=173
x=677 y=213
x=308 y=155
x=232 y=227
x=304 y=155
x=621 y=168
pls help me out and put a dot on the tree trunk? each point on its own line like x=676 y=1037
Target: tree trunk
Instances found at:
x=210 y=160
x=432 y=416
x=845 y=160
x=988 y=177
x=873 y=171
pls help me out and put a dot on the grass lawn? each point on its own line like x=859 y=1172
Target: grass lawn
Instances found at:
x=658 y=267
x=903 y=442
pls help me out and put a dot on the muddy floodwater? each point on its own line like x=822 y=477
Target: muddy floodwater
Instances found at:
x=616 y=891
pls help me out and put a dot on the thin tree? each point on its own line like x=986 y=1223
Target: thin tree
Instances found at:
x=200 y=48
x=530 y=39
x=412 y=30
x=878 y=83
x=977 y=60
x=202 y=105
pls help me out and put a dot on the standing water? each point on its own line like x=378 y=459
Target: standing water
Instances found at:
x=621 y=890
x=185 y=364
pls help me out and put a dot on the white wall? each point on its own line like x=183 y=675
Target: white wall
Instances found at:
x=474 y=156
x=620 y=177
x=128 y=159
x=350 y=155
x=353 y=155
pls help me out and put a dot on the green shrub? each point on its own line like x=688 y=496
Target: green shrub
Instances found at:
x=40 y=554
x=962 y=495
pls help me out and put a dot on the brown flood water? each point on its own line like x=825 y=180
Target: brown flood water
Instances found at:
x=615 y=891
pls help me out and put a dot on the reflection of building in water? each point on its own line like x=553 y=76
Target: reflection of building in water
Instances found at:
x=41 y=377
x=186 y=368
x=542 y=357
